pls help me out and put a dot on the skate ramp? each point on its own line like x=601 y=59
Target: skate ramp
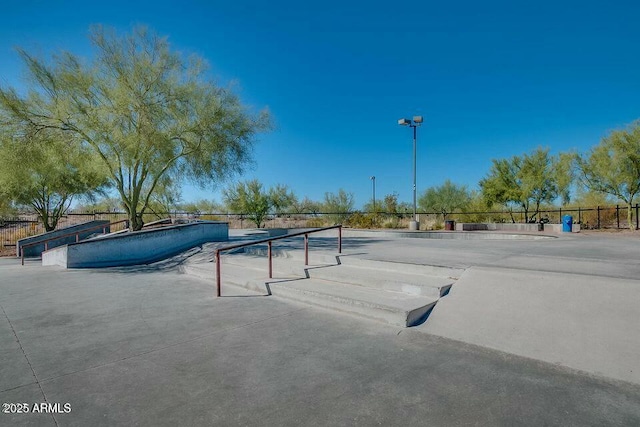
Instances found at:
x=139 y=247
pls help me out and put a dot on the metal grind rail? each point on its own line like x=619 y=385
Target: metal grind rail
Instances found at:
x=75 y=233
x=268 y=242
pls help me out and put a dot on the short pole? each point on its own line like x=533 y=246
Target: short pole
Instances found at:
x=340 y=239
x=269 y=256
x=637 y=221
x=618 y=216
x=306 y=249
x=22 y=254
x=218 y=284
x=77 y=237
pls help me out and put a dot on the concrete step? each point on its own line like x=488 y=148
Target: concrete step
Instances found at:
x=397 y=308
x=387 y=277
x=247 y=277
x=395 y=281
x=325 y=257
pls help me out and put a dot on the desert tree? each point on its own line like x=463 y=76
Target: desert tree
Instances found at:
x=150 y=115
x=252 y=199
x=527 y=182
x=282 y=198
x=46 y=170
x=307 y=206
x=444 y=199
x=248 y=198
x=613 y=166
x=202 y=206
x=338 y=206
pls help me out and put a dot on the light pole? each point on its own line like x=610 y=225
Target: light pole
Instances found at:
x=373 y=180
x=417 y=121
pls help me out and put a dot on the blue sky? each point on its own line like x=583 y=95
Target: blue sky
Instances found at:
x=492 y=79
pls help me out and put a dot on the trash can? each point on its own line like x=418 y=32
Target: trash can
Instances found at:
x=450 y=225
x=567 y=223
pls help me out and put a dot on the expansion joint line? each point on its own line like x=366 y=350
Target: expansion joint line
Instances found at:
x=33 y=372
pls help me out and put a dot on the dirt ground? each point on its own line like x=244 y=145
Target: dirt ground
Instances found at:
x=7 y=251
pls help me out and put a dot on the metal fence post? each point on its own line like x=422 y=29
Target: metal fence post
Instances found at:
x=618 y=215
x=340 y=239
x=637 y=222
x=598 y=210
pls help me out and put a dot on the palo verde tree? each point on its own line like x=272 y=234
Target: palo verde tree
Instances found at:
x=306 y=206
x=7 y=208
x=251 y=199
x=387 y=204
x=527 y=181
x=46 y=171
x=202 y=206
x=444 y=199
x=151 y=116
x=282 y=198
x=613 y=166
x=338 y=206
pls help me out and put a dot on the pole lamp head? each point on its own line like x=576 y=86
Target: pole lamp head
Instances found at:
x=417 y=119
x=404 y=122
x=373 y=178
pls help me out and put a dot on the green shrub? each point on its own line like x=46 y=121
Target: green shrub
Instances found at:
x=392 y=222
x=360 y=220
x=315 y=223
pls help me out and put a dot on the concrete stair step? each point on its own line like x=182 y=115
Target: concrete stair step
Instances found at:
x=239 y=275
x=396 y=308
x=412 y=284
x=325 y=257
x=395 y=280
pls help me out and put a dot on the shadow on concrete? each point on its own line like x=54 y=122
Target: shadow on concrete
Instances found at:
x=243 y=296
x=424 y=317
x=323 y=243
x=168 y=264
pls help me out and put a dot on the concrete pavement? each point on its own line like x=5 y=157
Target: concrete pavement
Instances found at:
x=579 y=321
x=570 y=300
x=148 y=346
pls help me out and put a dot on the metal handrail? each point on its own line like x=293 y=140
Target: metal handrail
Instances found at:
x=268 y=242
x=75 y=233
